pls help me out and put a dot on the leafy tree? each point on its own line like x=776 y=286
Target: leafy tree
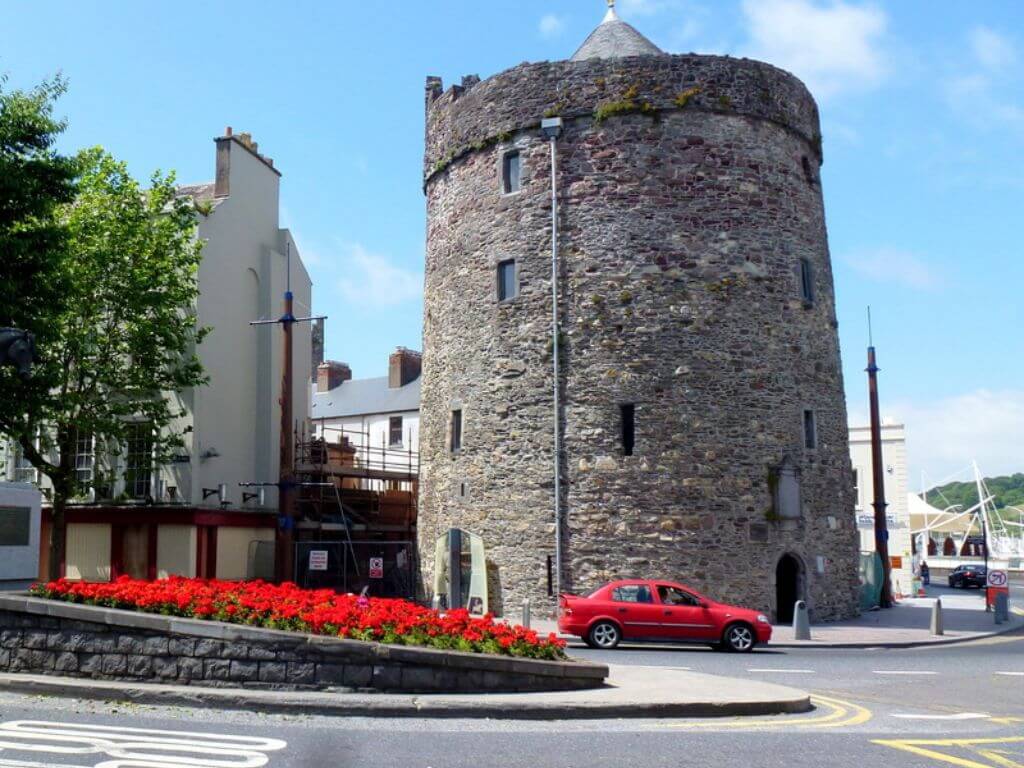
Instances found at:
x=34 y=181
x=1007 y=491
x=123 y=342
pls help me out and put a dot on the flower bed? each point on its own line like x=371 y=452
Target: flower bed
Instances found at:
x=319 y=612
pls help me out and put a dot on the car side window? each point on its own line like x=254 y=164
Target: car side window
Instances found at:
x=673 y=596
x=632 y=593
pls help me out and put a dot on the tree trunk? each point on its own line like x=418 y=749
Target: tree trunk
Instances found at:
x=63 y=481
x=58 y=535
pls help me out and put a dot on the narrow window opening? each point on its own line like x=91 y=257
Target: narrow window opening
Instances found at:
x=810 y=431
x=395 y=431
x=508 y=286
x=456 y=437
x=462 y=490
x=628 y=417
x=510 y=172
x=808 y=173
x=807 y=281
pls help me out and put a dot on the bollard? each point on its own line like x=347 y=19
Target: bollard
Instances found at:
x=1002 y=608
x=937 y=617
x=526 y=613
x=801 y=621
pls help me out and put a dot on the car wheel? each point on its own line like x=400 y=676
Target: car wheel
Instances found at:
x=604 y=635
x=739 y=638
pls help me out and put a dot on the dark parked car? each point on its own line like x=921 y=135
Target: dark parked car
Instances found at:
x=964 y=576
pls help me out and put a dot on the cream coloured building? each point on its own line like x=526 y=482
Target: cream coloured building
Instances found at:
x=189 y=517
x=894 y=459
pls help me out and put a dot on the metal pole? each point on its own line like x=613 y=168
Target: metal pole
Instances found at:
x=983 y=514
x=554 y=353
x=286 y=489
x=878 y=477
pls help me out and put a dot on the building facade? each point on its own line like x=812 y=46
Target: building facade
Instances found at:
x=703 y=419
x=190 y=517
x=894 y=461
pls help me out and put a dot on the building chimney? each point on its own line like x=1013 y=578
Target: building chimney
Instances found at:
x=222 y=181
x=403 y=366
x=331 y=374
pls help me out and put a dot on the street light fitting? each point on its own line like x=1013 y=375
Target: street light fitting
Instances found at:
x=552 y=127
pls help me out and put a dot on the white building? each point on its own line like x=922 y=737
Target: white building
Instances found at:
x=894 y=460
x=379 y=417
x=154 y=520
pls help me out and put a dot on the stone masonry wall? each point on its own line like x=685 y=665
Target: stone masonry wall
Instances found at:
x=54 y=639
x=683 y=226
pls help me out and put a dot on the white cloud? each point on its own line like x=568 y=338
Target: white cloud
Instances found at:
x=945 y=435
x=895 y=265
x=551 y=25
x=832 y=47
x=373 y=280
x=992 y=50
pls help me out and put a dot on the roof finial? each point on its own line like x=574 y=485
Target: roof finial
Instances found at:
x=611 y=15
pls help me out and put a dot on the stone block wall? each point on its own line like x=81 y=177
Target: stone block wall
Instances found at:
x=684 y=220
x=46 y=637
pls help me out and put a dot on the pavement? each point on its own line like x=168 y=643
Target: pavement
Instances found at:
x=632 y=691
x=906 y=625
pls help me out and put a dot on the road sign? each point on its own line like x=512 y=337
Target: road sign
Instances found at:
x=318 y=559
x=997 y=578
x=376 y=567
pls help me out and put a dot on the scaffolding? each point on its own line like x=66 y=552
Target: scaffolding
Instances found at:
x=352 y=490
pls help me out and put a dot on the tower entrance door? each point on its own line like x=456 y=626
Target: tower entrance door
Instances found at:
x=789 y=587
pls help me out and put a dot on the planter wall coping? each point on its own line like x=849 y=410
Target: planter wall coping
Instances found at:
x=281 y=639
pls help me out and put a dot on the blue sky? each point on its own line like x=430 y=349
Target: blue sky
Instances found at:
x=922 y=106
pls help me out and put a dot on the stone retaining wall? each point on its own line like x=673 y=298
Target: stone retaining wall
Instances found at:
x=47 y=637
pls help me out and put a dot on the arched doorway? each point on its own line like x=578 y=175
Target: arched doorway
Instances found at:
x=788 y=587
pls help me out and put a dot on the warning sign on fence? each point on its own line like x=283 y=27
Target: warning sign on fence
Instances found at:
x=376 y=567
x=318 y=559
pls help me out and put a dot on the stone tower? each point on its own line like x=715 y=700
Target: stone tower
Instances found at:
x=703 y=417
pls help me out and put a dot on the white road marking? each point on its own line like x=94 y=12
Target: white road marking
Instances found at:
x=958 y=716
x=134 y=747
x=784 y=670
x=1011 y=674
x=903 y=672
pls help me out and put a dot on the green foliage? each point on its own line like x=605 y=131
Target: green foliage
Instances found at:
x=628 y=104
x=683 y=97
x=1008 y=491
x=34 y=181
x=123 y=341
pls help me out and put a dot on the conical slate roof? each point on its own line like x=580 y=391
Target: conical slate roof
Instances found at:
x=614 y=39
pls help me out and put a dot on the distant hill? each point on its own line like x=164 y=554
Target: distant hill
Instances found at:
x=1008 y=492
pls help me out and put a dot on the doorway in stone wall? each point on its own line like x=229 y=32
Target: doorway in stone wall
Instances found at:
x=789 y=587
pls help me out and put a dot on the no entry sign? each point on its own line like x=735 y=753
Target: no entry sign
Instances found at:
x=376 y=567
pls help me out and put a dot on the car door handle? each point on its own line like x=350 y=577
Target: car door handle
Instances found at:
x=668 y=613
x=622 y=610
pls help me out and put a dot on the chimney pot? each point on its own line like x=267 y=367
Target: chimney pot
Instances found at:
x=227 y=131
x=404 y=366
x=331 y=374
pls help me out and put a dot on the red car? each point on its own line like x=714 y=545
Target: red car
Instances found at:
x=641 y=609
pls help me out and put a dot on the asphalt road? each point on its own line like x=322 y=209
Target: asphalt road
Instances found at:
x=953 y=705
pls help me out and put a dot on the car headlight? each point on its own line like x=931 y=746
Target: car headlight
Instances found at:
x=762 y=619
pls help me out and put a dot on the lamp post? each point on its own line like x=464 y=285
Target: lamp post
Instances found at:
x=878 y=480
x=552 y=129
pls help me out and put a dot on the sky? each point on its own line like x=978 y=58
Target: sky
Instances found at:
x=922 y=105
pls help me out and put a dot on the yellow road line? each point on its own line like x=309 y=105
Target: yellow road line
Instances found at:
x=842 y=713
x=920 y=747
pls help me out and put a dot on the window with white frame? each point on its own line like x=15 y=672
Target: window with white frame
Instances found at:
x=22 y=469
x=856 y=489
x=138 y=475
x=84 y=461
x=395 y=431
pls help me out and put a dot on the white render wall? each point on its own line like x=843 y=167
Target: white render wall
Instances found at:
x=374 y=429
x=236 y=417
x=894 y=459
